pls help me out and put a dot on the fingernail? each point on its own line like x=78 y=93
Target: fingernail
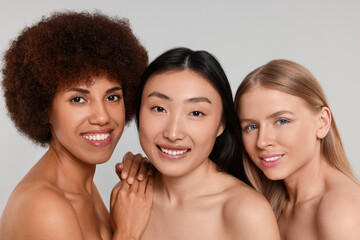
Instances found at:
x=123 y=175
x=141 y=177
x=130 y=180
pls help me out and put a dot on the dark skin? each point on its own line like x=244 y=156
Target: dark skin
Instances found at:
x=134 y=166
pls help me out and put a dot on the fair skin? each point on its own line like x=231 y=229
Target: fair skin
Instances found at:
x=282 y=135
x=58 y=199
x=180 y=118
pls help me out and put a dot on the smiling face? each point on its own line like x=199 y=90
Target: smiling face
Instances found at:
x=180 y=118
x=280 y=132
x=88 y=120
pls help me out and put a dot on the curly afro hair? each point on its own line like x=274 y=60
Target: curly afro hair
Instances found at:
x=61 y=50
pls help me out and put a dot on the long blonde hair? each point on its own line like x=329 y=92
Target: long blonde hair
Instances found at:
x=294 y=79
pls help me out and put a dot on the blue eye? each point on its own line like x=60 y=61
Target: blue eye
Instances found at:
x=250 y=128
x=281 y=121
x=196 y=113
x=77 y=100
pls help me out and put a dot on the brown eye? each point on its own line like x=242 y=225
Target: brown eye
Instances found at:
x=158 y=109
x=196 y=113
x=113 y=98
x=77 y=100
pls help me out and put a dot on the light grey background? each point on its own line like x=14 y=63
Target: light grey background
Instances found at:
x=324 y=36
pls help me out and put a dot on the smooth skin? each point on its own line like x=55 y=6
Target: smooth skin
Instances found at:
x=58 y=199
x=281 y=128
x=180 y=118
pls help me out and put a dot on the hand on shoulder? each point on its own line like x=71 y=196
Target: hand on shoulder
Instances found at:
x=130 y=207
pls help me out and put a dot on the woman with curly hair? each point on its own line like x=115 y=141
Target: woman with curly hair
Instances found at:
x=293 y=153
x=69 y=85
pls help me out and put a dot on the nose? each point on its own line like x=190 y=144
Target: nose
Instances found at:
x=174 y=129
x=99 y=114
x=265 y=137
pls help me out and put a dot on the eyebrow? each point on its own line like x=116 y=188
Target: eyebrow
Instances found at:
x=273 y=115
x=199 y=99
x=81 y=90
x=191 y=100
x=159 y=95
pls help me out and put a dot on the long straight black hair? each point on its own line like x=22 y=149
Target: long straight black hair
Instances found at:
x=227 y=152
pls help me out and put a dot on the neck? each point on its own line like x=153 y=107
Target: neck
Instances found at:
x=185 y=187
x=72 y=174
x=307 y=182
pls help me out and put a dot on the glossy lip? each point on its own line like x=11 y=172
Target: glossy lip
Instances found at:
x=173 y=148
x=271 y=163
x=98 y=143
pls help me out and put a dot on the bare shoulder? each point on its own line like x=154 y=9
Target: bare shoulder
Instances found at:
x=338 y=215
x=245 y=210
x=39 y=212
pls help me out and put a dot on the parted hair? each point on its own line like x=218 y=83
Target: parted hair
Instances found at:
x=62 y=50
x=226 y=152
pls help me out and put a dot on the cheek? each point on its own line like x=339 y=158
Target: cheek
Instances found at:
x=118 y=114
x=204 y=134
x=148 y=128
x=249 y=141
x=66 y=122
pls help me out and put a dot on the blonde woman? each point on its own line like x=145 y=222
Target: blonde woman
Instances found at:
x=294 y=155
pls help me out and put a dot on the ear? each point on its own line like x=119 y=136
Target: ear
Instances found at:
x=220 y=129
x=324 y=122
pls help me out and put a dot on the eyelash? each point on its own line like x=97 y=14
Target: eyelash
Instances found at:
x=197 y=114
x=193 y=113
x=247 y=128
x=279 y=122
x=116 y=96
x=78 y=99
x=284 y=121
x=158 y=109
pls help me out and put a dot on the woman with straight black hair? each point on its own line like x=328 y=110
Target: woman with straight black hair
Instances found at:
x=226 y=148
x=189 y=131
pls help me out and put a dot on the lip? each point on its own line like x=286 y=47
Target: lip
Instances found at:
x=173 y=148
x=271 y=159
x=98 y=143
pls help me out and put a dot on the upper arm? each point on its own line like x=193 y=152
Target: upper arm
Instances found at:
x=339 y=218
x=251 y=217
x=45 y=215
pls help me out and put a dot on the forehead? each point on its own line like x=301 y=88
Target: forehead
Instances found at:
x=260 y=100
x=87 y=82
x=184 y=83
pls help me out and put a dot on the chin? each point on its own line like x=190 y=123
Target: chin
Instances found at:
x=274 y=176
x=173 y=173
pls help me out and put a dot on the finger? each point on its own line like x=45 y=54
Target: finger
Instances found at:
x=142 y=185
x=134 y=168
x=118 y=169
x=114 y=194
x=127 y=161
x=124 y=185
x=151 y=170
x=149 y=191
x=144 y=165
x=135 y=186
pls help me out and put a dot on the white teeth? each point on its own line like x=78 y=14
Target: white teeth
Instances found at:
x=173 y=152
x=271 y=159
x=97 y=137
